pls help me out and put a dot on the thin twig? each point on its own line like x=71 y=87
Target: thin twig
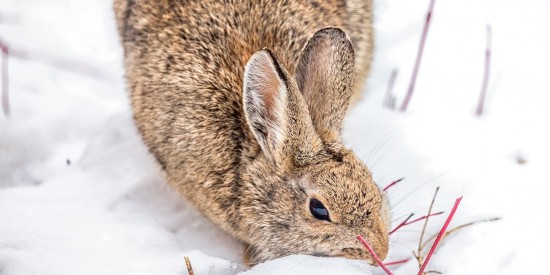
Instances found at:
x=373 y=254
x=439 y=236
x=407 y=222
x=5 y=79
x=401 y=224
x=392 y=184
x=486 y=71
x=397 y=262
x=455 y=229
x=418 y=57
x=188 y=264
x=389 y=99
x=420 y=255
x=425 y=217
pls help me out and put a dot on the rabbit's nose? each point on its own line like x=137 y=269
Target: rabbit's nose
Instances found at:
x=378 y=243
x=383 y=246
x=382 y=250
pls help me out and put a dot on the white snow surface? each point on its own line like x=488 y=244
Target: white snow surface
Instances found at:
x=79 y=194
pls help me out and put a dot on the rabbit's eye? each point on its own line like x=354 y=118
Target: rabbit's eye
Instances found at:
x=318 y=210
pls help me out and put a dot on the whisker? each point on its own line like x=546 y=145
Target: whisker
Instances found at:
x=393 y=206
x=400 y=215
x=380 y=144
x=378 y=160
x=403 y=246
x=300 y=263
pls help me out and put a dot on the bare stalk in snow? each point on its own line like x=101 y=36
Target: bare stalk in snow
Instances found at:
x=439 y=237
x=418 y=57
x=389 y=99
x=189 y=267
x=486 y=71
x=5 y=79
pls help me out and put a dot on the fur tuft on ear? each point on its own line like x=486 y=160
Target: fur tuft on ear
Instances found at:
x=265 y=99
x=325 y=76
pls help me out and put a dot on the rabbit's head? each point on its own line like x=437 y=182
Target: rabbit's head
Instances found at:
x=308 y=194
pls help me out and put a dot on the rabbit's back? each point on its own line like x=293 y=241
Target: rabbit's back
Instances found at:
x=185 y=62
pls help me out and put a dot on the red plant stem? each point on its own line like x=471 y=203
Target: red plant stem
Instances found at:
x=397 y=262
x=373 y=254
x=401 y=224
x=392 y=184
x=5 y=84
x=418 y=57
x=439 y=236
x=406 y=221
x=481 y=102
x=424 y=217
x=388 y=100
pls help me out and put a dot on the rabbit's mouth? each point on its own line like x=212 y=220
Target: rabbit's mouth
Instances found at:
x=319 y=254
x=349 y=253
x=354 y=253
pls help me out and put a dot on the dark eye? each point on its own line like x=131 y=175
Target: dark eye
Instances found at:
x=318 y=210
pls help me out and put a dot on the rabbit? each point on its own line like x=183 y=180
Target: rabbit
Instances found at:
x=241 y=103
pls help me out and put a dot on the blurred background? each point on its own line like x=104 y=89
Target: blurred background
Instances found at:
x=80 y=195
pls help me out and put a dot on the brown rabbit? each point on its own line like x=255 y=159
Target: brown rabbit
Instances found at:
x=241 y=102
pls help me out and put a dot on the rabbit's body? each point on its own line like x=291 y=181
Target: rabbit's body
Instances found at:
x=185 y=63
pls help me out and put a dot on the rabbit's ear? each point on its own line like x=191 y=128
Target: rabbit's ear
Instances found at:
x=276 y=111
x=265 y=99
x=325 y=76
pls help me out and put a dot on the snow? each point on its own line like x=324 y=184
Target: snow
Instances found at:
x=79 y=194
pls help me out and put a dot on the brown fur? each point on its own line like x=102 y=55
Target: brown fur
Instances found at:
x=250 y=136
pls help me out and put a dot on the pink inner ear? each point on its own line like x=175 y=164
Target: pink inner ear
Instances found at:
x=268 y=88
x=266 y=98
